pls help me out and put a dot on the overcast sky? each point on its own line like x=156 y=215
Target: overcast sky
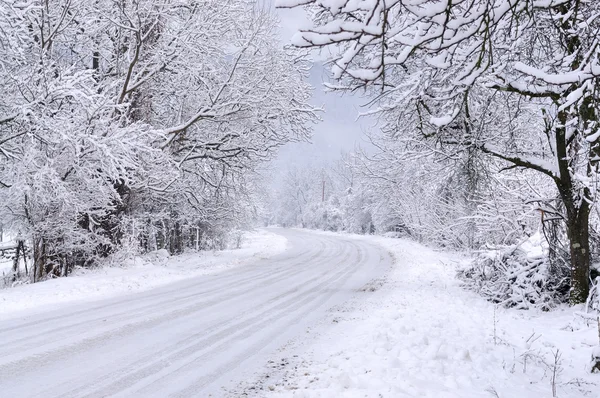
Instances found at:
x=339 y=131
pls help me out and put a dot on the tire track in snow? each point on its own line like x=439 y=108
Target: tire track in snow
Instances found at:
x=175 y=361
x=195 y=344
x=144 y=297
x=36 y=357
x=312 y=305
x=13 y=346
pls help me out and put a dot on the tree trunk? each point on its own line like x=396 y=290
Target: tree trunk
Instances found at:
x=15 y=267
x=577 y=205
x=65 y=266
x=39 y=258
x=24 y=251
x=579 y=239
x=175 y=239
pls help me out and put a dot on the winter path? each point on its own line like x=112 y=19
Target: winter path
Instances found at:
x=187 y=339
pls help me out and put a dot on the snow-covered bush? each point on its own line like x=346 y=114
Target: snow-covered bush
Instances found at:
x=520 y=276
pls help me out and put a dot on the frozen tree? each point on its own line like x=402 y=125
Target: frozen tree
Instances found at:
x=514 y=79
x=331 y=197
x=459 y=199
x=355 y=195
x=138 y=118
x=296 y=194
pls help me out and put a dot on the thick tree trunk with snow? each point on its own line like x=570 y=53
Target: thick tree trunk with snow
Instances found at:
x=577 y=214
x=579 y=246
x=176 y=239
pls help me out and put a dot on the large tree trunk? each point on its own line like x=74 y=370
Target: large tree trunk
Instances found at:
x=577 y=205
x=579 y=239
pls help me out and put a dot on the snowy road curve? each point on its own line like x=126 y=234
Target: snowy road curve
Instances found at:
x=189 y=339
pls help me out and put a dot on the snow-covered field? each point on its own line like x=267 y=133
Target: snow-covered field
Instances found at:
x=136 y=275
x=417 y=333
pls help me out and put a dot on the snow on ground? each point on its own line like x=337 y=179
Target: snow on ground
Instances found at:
x=419 y=334
x=137 y=274
x=6 y=264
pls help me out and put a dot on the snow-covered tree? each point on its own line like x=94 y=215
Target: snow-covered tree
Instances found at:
x=515 y=79
x=153 y=112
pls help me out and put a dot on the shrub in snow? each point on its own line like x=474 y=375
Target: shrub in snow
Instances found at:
x=12 y=279
x=520 y=276
x=235 y=239
x=162 y=253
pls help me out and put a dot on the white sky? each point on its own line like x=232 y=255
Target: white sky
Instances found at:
x=339 y=130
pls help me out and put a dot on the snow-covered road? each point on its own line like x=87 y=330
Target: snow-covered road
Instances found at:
x=190 y=338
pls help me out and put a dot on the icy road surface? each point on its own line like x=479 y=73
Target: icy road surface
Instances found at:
x=187 y=339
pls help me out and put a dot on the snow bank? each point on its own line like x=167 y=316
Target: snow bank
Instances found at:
x=137 y=274
x=420 y=334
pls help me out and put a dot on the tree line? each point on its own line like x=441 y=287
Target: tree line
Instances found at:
x=132 y=123
x=511 y=83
